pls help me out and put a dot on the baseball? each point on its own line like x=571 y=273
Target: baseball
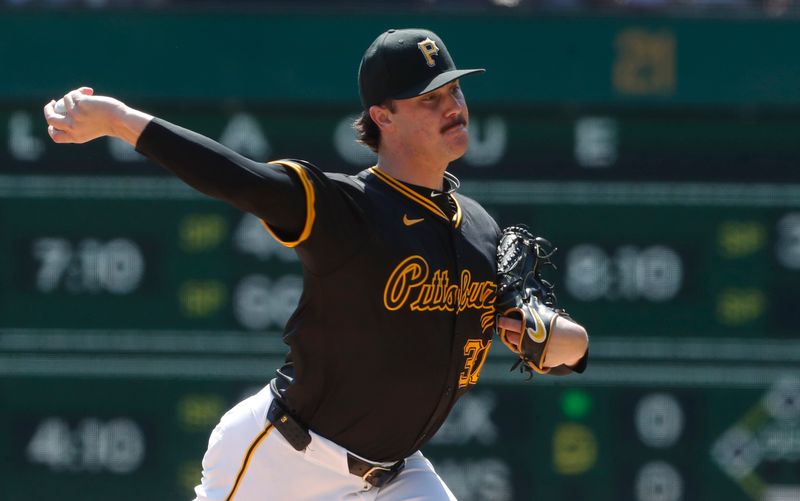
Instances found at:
x=60 y=107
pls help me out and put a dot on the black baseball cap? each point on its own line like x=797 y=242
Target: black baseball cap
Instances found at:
x=401 y=64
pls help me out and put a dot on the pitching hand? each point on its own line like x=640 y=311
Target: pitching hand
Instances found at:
x=83 y=117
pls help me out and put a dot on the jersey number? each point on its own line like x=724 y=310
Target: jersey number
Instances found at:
x=475 y=352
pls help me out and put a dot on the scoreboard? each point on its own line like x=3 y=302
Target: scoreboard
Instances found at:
x=543 y=143
x=134 y=311
x=705 y=260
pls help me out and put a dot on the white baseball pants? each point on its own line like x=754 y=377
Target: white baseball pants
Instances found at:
x=248 y=460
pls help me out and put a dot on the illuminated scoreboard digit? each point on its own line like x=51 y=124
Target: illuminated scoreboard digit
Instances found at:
x=94 y=439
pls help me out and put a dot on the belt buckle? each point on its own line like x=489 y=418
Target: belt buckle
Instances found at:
x=378 y=476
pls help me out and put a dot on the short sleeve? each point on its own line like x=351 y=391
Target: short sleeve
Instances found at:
x=334 y=218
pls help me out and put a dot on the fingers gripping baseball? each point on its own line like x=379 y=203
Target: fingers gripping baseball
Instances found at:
x=80 y=116
x=59 y=115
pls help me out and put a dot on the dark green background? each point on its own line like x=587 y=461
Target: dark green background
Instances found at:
x=705 y=114
x=302 y=57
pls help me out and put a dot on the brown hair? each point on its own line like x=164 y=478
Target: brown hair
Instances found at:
x=367 y=131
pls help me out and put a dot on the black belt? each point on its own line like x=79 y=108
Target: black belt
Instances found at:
x=298 y=437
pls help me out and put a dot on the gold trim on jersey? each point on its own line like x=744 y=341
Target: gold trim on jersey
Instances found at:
x=487 y=319
x=413 y=195
x=246 y=462
x=310 y=197
x=457 y=216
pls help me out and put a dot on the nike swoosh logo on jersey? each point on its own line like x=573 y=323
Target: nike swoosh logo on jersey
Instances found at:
x=435 y=193
x=411 y=222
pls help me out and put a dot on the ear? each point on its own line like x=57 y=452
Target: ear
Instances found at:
x=381 y=115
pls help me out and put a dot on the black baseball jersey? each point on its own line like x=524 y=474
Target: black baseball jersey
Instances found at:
x=397 y=312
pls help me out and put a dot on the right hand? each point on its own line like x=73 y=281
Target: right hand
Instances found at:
x=86 y=117
x=513 y=328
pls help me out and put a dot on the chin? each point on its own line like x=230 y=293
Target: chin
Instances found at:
x=458 y=150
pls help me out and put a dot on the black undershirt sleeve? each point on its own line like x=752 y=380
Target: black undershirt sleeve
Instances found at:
x=267 y=190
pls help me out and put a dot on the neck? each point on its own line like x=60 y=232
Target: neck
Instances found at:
x=413 y=170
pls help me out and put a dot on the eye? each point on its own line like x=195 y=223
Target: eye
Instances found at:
x=429 y=98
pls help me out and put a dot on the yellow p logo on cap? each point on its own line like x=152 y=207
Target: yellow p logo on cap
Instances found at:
x=429 y=49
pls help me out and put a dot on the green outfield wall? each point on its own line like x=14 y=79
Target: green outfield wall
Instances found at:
x=307 y=58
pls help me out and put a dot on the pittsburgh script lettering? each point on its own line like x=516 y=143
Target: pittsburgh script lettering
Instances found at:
x=412 y=283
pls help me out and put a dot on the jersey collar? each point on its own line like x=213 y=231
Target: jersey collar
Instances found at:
x=425 y=201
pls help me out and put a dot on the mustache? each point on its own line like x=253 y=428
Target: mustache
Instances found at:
x=458 y=121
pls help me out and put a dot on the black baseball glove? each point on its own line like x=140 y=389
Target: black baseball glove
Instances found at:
x=523 y=294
